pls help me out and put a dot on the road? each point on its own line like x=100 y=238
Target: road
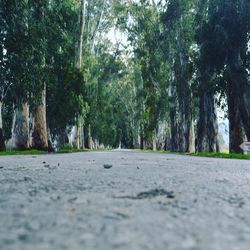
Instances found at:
x=153 y=201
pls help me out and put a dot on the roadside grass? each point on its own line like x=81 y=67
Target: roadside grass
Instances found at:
x=223 y=155
x=22 y=152
x=63 y=150
x=69 y=149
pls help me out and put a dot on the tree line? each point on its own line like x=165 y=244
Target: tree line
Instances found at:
x=156 y=84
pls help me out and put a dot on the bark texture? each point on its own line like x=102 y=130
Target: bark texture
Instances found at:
x=80 y=36
x=78 y=65
x=39 y=136
x=88 y=142
x=20 y=127
x=236 y=133
x=63 y=138
x=76 y=136
x=2 y=141
x=245 y=110
x=181 y=137
x=238 y=101
x=207 y=132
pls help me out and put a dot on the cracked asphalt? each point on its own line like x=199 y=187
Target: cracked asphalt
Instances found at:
x=139 y=201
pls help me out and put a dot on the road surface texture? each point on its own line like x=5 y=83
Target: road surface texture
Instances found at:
x=154 y=201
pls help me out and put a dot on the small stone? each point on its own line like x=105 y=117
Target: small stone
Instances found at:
x=138 y=167
x=49 y=167
x=23 y=237
x=55 y=197
x=1 y=167
x=107 y=166
x=27 y=178
x=72 y=199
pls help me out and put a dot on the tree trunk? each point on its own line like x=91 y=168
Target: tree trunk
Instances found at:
x=245 y=110
x=40 y=140
x=154 y=140
x=82 y=137
x=79 y=47
x=20 y=127
x=173 y=129
x=63 y=138
x=191 y=147
x=141 y=138
x=50 y=144
x=207 y=132
x=77 y=134
x=78 y=65
x=238 y=101
x=88 y=138
x=236 y=133
x=2 y=141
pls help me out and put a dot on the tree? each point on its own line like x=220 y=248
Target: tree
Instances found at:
x=179 y=39
x=224 y=40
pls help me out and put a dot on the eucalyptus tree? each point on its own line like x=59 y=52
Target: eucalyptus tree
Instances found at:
x=178 y=19
x=19 y=66
x=78 y=64
x=224 y=40
x=207 y=127
x=65 y=82
x=93 y=21
x=39 y=38
x=115 y=108
x=144 y=35
x=4 y=84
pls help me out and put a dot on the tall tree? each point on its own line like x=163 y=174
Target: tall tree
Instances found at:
x=224 y=41
x=39 y=135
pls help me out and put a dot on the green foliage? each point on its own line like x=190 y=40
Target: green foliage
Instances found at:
x=223 y=155
x=25 y=152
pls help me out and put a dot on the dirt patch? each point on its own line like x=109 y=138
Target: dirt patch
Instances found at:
x=150 y=194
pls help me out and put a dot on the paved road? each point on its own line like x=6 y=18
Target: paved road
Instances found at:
x=152 y=201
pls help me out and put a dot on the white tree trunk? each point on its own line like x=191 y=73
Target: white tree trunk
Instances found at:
x=77 y=135
x=20 y=127
x=1 y=118
x=78 y=65
x=2 y=142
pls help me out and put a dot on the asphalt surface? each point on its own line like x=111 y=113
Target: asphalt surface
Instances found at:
x=137 y=201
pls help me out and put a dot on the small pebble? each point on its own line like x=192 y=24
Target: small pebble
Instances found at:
x=72 y=199
x=107 y=166
x=27 y=178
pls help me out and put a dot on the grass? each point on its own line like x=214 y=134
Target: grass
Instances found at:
x=22 y=152
x=223 y=155
x=69 y=149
